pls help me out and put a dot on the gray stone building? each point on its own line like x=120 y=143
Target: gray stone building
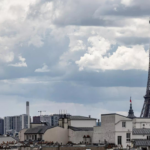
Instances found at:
x=15 y=123
x=51 y=119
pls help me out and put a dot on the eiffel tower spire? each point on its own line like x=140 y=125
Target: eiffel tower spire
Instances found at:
x=146 y=106
x=148 y=82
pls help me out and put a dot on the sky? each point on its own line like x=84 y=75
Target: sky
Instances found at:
x=87 y=57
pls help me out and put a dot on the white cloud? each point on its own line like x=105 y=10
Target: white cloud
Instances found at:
x=36 y=40
x=126 y=2
x=22 y=63
x=76 y=45
x=35 y=106
x=72 y=108
x=43 y=69
x=6 y=56
x=123 y=58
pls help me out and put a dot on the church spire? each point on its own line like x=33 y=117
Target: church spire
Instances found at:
x=131 y=112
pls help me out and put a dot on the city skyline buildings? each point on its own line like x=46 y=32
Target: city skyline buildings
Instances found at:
x=13 y=124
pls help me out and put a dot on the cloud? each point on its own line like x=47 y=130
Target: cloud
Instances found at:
x=72 y=108
x=106 y=39
x=77 y=45
x=124 y=58
x=43 y=69
x=22 y=63
x=6 y=55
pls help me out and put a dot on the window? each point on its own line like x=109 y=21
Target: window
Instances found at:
x=123 y=124
x=35 y=136
x=148 y=137
x=119 y=140
x=128 y=137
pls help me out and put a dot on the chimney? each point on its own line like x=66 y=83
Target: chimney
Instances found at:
x=98 y=123
x=27 y=112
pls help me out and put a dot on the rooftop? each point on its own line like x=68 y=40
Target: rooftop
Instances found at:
x=113 y=114
x=80 y=128
x=6 y=138
x=142 y=142
x=38 y=130
x=141 y=131
x=81 y=118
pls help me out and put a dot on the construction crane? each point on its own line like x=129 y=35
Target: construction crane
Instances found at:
x=40 y=111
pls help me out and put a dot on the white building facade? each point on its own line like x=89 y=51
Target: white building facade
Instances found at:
x=122 y=130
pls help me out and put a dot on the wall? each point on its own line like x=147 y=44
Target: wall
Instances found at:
x=139 y=137
x=106 y=131
x=97 y=134
x=82 y=148
x=138 y=123
x=122 y=131
x=83 y=123
x=36 y=125
x=128 y=128
x=56 y=134
x=21 y=135
x=120 y=117
x=73 y=148
x=77 y=136
x=50 y=148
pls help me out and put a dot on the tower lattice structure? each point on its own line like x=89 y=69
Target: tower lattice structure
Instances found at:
x=145 y=113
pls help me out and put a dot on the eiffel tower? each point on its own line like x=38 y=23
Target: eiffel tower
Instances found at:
x=145 y=113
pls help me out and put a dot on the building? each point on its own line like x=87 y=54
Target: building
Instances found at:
x=77 y=129
x=36 y=119
x=123 y=130
x=1 y=126
x=15 y=123
x=55 y=119
x=51 y=119
x=114 y=129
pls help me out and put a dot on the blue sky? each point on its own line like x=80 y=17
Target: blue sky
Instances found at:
x=86 y=57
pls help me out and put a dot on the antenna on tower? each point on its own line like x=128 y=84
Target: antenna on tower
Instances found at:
x=41 y=111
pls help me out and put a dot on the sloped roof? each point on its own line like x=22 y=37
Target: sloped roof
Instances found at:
x=141 y=131
x=5 y=139
x=80 y=128
x=38 y=130
x=142 y=142
x=81 y=118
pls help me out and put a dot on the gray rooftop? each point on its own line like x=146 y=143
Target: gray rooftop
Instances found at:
x=141 y=131
x=81 y=118
x=142 y=142
x=6 y=139
x=113 y=114
x=38 y=130
x=80 y=128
